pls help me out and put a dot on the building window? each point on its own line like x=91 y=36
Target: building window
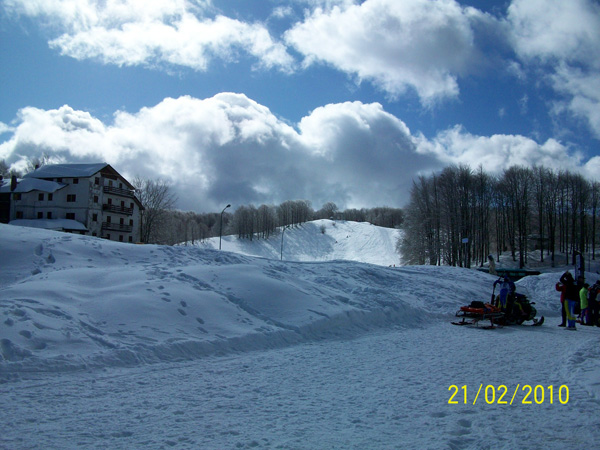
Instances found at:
x=17 y=197
x=71 y=216
x=95 y=199
x=130 y=238
x=50 y=197
x=94 y=217
x=131 y=205
x=41 y=197
x=49 y=215
x=108 y=237
x=40 y=215
x=122 y=221
x=59 y=180
x=71 y=198
x=19 y=214
x=75 y=180
x=120 y=238
x=108 y=219
x=130 y=222
x=97 y=180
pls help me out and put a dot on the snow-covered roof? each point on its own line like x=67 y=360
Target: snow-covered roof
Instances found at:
x=30 y=184
x=66 y=170
x=50 y=224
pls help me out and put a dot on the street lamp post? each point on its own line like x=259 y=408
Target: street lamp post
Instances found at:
x=221 y=226
x=282 y=233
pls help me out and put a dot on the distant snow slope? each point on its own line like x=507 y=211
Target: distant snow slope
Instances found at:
x=341 y=240
x=70 y=301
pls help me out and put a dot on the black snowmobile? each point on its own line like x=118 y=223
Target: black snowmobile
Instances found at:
x=518 y=310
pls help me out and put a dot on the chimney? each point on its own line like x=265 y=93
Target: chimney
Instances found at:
x=13 y=183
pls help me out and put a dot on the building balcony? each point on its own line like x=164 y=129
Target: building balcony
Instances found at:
x=118 y=191
x=110 y=226
x=117 y=209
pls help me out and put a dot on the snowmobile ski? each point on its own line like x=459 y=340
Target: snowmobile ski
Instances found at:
x=537 y=322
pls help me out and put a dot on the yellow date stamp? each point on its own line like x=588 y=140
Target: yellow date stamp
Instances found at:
x=502 y=395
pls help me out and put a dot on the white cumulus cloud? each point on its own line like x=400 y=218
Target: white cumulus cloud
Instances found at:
x=398 y=45
x=231 y=149
x=151 y=32
x=498 y=152
x=564 y=38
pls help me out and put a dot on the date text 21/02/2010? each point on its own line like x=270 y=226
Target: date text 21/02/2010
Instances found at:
x=502 y=395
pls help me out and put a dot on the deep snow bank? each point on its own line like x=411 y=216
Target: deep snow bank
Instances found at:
x=70 y=301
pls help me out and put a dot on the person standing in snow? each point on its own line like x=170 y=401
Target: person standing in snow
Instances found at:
x=492 y=265
x=571 y=298
x=507 y=288
x=563 y=306
x=593 y=303
x=583 y=298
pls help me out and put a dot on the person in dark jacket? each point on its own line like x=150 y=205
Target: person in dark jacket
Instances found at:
x=593 y=303
x=563 y=308
x=571 y=298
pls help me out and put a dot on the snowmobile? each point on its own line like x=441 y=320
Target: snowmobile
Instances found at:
x=518 y=309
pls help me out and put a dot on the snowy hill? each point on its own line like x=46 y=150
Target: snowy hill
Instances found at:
x=321 y=240
x=111 y=345
x=74 y=301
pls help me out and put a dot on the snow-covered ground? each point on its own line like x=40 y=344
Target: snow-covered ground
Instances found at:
x=320 y=240
x=109 y=345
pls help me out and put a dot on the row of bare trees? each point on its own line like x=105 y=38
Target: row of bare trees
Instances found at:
x=460 y=215
x=251 y=222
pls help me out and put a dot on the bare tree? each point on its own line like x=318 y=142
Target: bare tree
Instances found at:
x=36 y=162
x=4 y=169
x=157 y=199
x=327 y=211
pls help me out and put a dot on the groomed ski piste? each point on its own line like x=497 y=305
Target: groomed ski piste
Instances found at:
x=120 y=346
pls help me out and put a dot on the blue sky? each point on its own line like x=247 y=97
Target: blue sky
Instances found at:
x=326 y=100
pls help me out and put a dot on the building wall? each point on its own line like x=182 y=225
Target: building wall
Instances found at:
x=113 y=215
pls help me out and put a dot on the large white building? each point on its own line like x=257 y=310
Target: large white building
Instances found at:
x=91 y=199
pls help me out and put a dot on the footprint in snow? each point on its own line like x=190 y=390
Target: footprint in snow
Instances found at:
x=464 y=423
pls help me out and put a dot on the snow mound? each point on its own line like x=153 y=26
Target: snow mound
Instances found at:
x=69 y=302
